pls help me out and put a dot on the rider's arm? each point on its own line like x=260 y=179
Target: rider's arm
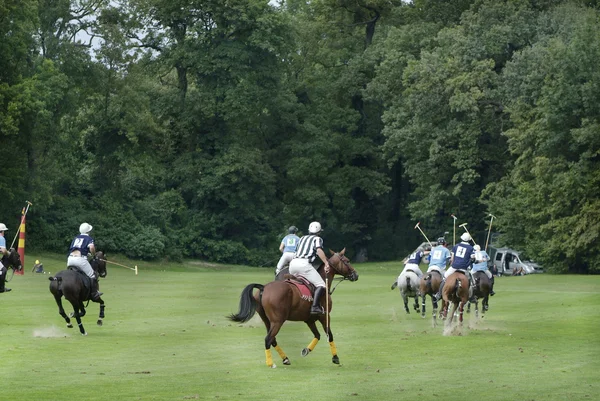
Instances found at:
x=323 y=258
x=281 y=247
x=92 y=249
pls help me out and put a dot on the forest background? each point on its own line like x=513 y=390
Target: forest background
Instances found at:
x=204 y=128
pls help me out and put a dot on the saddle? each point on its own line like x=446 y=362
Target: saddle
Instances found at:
x=306 y=288
x=85 y=279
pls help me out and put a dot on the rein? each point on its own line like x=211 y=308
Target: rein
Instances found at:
x=343 y=278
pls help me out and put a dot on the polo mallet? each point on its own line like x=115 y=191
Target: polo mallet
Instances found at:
x=135 y=269
x=489 y=231
x=454 y=226
x=327 y=306
x=464 y=225
x=25 y=210
x=417 y=226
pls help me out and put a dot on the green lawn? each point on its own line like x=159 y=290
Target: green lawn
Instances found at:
x=165 y=337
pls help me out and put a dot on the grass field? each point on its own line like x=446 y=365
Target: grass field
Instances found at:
x=165 y=337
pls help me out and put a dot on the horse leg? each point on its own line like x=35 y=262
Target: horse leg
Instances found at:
x=434 y=309
x=476 y=307
x=61 y=310
x=317 y=336
x=77 y=315
x=269 y=339
x=423 y=305
x=416 y=305
x=334 y=357
x=461 y=307
x=101 y=315
x=405 y=299
x=265 y=319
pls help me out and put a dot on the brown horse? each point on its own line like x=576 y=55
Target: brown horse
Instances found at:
x=456 y=291
x=429 y=285
x=71 y=283
x=481 y=290
x=279 y=301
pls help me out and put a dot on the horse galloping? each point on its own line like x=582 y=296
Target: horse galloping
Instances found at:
x=12 y=261
x=279 y=301
x=455 y=291
x=481 y=290
x=408 y=284
x=76 y=288
x=430 y=284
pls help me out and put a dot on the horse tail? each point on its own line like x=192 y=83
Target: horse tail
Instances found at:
x=247 y=304
x=408 y=283
x=428 y=282
x=395 y=285
x=457 y=286
x=55 y=280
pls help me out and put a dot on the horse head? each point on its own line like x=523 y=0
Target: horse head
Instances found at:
x=341 y=265
x=99 y=264
x=12 y=260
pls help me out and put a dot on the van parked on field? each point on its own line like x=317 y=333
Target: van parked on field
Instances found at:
x=509 y=261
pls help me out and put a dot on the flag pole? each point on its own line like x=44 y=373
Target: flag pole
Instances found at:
x=21 y=233
x=24 y=213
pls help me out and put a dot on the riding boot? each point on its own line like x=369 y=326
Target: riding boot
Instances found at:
x=3 y=272
x=492 y=293
x=316 y=308
x=95 y=293
x=438 y=296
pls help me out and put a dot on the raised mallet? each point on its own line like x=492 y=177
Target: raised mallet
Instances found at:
x=418 y=226
x=464 y=225
x=489 y=231
x=454 y=226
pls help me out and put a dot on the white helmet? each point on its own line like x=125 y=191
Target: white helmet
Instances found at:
x=3 y=227
x=477 y=248
x=465 y=237
x=314 y=227
x=85 y=228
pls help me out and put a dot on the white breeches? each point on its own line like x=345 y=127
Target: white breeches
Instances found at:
x=302 y=267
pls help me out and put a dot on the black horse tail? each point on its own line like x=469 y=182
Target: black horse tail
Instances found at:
x=247 y=304
x=58 y=279
x=457 y=285
x=395 y=285
x=408 y=283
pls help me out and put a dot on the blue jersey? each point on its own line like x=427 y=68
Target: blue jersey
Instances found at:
x=3 y=242
x=481 y=259
x=439 y=256
x=462 y=256
x=82 y=243
x=415 y=257
x=290 y=242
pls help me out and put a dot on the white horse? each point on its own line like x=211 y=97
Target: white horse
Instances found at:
x=408 y=284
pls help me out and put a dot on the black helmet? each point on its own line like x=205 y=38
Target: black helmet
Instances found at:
x=292 y=230
x=441 y=240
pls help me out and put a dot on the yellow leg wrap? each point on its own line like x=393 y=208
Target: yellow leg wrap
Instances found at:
x=280 y=352
x=269 y=357
x=333 y=348
x=312 y=344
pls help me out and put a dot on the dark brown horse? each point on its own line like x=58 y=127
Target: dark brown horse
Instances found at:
x=481 y=290
x=10 y=261
x=279 y=301
x=76 y=288
x=429 y=285
x=456 y=291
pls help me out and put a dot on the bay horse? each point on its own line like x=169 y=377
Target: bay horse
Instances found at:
x=456 y=291
x=75 y=287
x=429 y=285
x=481 y=290
x=408 y=284
x=279 y=301
x=13 y=261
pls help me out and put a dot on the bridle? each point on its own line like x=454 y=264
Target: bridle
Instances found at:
x=349 y=269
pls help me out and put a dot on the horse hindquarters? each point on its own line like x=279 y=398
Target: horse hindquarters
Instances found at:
x=57 y=293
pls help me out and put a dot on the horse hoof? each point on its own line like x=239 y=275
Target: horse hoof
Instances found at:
x=71 y=314
x=99 y=322
x=335 y=360
x=84 y=334
x=69 y=325
x=273 y=366
x=286 y=361
x=305 y=352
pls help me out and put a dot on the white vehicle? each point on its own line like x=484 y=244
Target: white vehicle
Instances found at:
x=508 y=262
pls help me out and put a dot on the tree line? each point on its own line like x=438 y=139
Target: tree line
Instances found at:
x=204 y=128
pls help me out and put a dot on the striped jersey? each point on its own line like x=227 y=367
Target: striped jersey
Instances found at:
x=307 y=247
